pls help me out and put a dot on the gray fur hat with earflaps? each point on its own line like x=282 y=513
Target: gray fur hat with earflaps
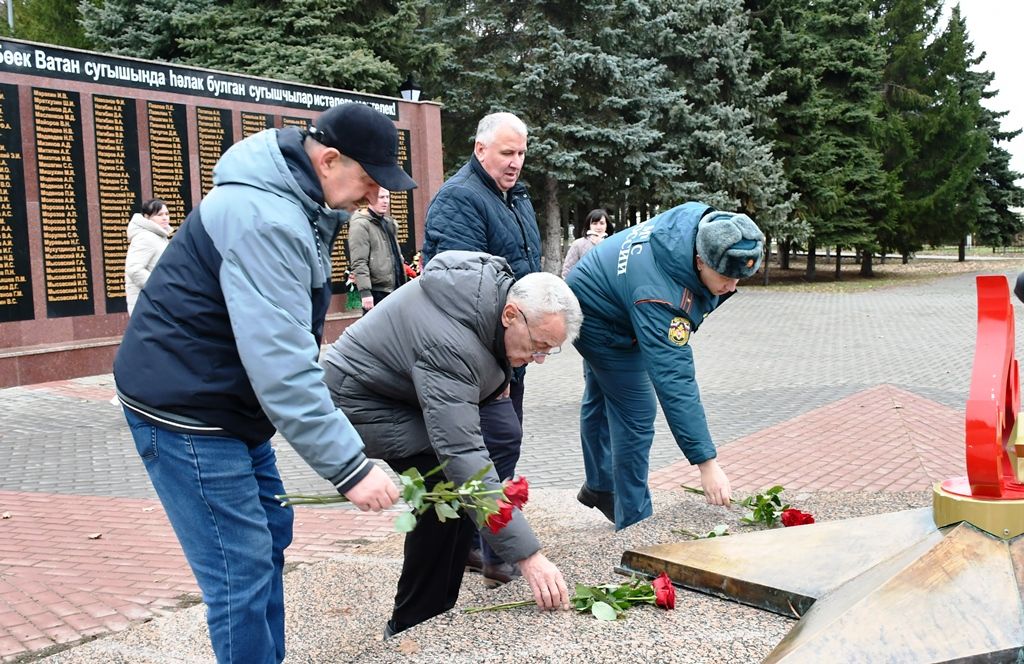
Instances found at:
x=731 y=244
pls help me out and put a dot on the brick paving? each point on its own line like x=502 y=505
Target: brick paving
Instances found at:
x=72 y=567
x=859 y=391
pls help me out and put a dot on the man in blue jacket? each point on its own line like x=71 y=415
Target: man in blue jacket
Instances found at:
x=484 y=207
x=644 y=291
x=222 y=351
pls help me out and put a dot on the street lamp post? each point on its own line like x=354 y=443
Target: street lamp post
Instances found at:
x=410 y=91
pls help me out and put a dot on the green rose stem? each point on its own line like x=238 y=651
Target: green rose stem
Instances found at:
x=428 y=497
x=500 y=607
x=700 y=492
x=529 y=602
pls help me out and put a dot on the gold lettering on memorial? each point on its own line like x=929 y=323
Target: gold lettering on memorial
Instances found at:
x=213 y=137
x=168 y=159
x=400 y=199
x=117 y=196
x=65 y=260
x=254 y=123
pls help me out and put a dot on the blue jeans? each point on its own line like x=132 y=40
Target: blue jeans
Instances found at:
x=617 y=429
x=218 y=493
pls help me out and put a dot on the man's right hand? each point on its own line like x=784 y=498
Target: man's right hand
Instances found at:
x=373 y=493
x=545 y=581
x=368 y=302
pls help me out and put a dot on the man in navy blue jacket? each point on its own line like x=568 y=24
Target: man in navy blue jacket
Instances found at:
x=485 y=208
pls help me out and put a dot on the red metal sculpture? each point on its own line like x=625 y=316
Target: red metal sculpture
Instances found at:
x=993 y=401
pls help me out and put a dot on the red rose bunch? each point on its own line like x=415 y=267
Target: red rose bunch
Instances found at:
x=491 y=507
x=793 y=517
x=501 y=518
x=609 y=601
x=664 y=591
x=516 y=493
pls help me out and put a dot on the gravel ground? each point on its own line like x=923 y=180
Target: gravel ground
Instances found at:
x=337 y=608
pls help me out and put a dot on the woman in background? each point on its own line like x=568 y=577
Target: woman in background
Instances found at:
x=148 y=235
x=588 y=235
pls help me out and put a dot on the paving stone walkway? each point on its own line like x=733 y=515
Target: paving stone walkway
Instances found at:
x=860 y=391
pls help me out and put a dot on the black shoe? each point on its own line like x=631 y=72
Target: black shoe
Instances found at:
x=390 y=630
x=475 y=561
x=500 y=574
x=602 y=500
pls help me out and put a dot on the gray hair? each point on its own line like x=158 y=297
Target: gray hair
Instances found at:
x=490 y=124
x=541 y=293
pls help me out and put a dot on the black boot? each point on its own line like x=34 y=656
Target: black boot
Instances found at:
x=602 y=500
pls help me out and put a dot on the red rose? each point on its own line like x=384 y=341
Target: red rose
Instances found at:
x=793 y=517
x=517 y=492
x=498 y=521
x=664 y=591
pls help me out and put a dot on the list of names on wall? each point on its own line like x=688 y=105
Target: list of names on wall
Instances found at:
x=401 y=202
x=291 y=121
x=401 y=212
x=339 y=263
x=15 y=266
x=63 y=213
x=168 y=158
x=254 y=123
x=215 y=137
x=117 y=171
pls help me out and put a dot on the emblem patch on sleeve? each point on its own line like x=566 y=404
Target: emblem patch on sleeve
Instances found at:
x=679 y=331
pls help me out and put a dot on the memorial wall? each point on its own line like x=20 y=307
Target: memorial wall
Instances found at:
x=85 y=138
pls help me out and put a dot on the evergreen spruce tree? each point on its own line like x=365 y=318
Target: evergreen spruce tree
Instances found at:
x=571 y=72
x=954 y=142
x=907 y=27
x=785 y=52
x=352 y=45
x=716 y=131
x=147 y=29
x=46 y=21
x=851 y=198
x=998 y=225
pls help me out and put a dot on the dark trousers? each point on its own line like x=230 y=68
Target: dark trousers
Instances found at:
x=501 y=423
x=435 y=556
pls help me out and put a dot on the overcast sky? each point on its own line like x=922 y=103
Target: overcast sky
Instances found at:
x=995 y=27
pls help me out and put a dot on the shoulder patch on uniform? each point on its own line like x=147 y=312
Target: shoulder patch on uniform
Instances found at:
x=679 y=331
x=687 y=300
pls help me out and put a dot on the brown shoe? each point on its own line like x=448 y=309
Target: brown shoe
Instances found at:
x=500 y=574
x=475 y=562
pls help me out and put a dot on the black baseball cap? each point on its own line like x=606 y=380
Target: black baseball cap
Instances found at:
x=368 y=136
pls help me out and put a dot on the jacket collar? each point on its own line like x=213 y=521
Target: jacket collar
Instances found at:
x=290 y=143
x=489 y=182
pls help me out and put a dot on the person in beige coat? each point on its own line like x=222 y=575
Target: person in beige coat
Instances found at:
x=149 y=232
x=374 y=256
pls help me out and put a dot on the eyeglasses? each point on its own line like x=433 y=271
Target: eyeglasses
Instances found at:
x=538 y=355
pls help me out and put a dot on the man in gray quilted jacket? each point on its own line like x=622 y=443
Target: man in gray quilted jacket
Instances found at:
x=411 y=377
